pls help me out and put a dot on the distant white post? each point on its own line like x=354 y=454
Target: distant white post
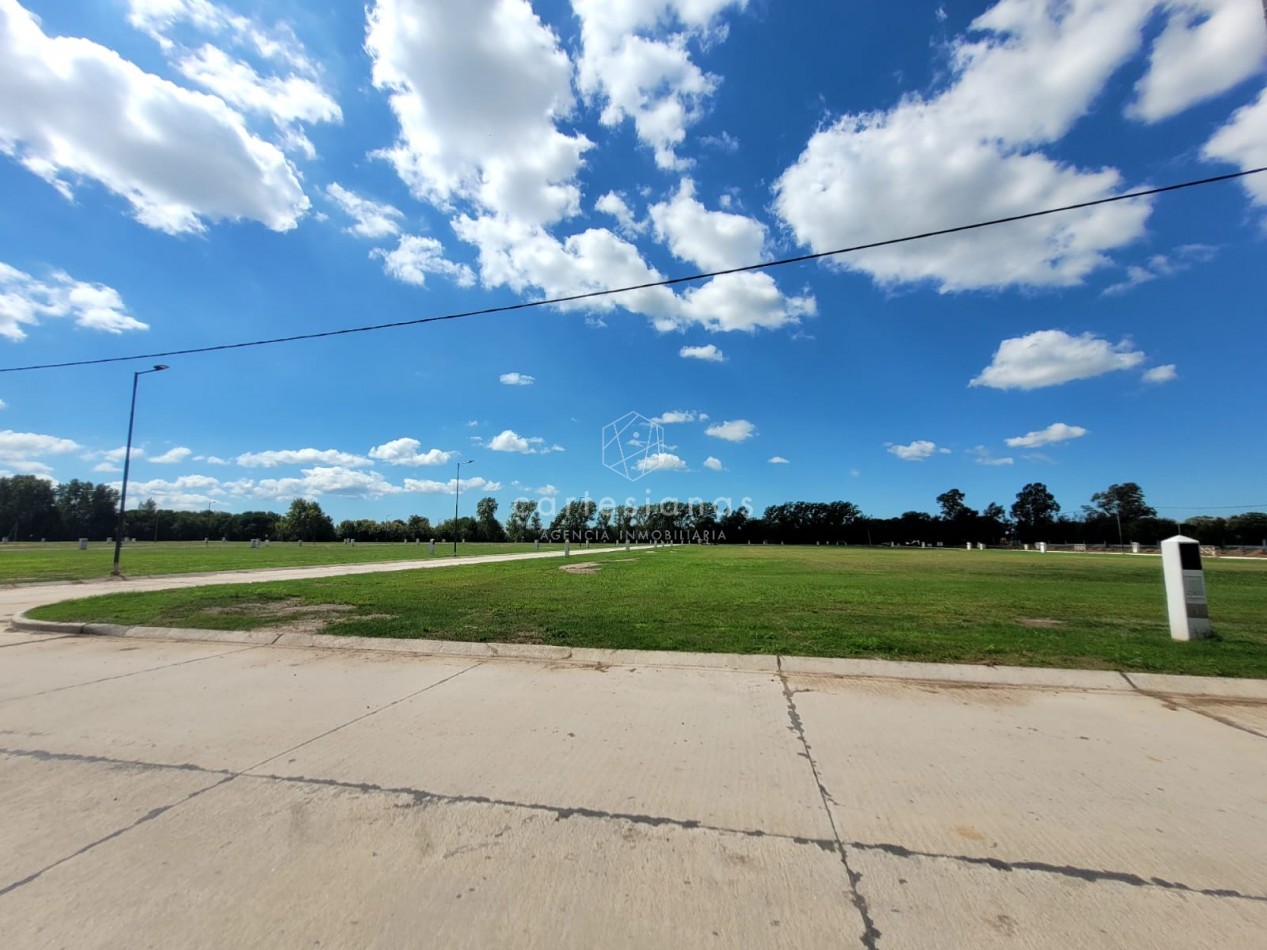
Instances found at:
x=1185 y=588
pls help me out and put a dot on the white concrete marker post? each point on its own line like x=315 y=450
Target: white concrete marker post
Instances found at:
x=1185 y=589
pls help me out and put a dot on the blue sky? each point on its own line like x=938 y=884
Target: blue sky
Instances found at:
x=186 y=173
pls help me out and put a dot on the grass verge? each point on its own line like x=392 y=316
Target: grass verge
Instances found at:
x=1089 y=612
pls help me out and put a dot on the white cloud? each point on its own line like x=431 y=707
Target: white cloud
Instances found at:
x=20 y=451
x=1207 y=47
x=660 y=462
x=371 y=219
x=675 y=416
x=428 y=487
x=24 y=301
x=1162 y=265
x=326 y=457
x=1052 y=357
x=516 y=379
x=72 y=109
x=713 y=463
x=476 y=88
x=778 y=460
x=635 y=59
x=614 y=205
x=186 y=493
x=545 y=491
x=171 y=456
x=106 y=467
x=917 y=451
x=510 y=441
x=711 y=240
x=1056 y=432
x=745 y=301
x=972 y=151
x=1243 y=141
x=739 y=430
x=415 y=257
x=1161 y=374
x=709 y=353
x=405 y=452
x=983 y=456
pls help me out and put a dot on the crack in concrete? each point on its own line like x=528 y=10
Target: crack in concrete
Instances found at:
x=35 y=638
x=147 y=817
x=1090 y=875
x=372 y=712
x=148 y=669
x=1180 y=703
x=870 y=933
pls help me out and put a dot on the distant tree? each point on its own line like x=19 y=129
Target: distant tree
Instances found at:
x=1125 y=502
x=305 y=521
x=1035 y=508
x=1249 y=528
x=27 y=501
x=952 y=506
x=86 y=510
x=419 y=527
x=490 y=529
x=522 y=510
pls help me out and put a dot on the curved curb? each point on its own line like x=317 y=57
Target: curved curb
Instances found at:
x=963 y=674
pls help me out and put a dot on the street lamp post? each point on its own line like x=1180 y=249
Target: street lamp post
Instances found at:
x=127 y=463
x=457 y=495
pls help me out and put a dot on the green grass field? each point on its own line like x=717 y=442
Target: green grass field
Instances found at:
x=1008 y=608
x=63 y=561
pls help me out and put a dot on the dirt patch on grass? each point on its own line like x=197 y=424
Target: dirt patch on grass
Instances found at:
x=293 y=615
x=584 y=567
x=1040 y=623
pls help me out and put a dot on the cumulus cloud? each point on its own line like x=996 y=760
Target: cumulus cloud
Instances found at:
x=675 y=416
x=428 y=487
x=708 y=353
x=1243 y=142
x=516 y=379
x=1161 y=265
x=1161 y=374
x=476 y=88
x=1020 y=78
x=370 y=219
x=740 y=430
x=917 y=451
x=21 y=451
x=25 y=301
x=1056 y=432
x=171 y=456
x=415 y=257
x=510 y=441
x=711 y=240
x=713 y=463
x=614 y=204
x=1052 y=357
x=186 y=493
x=660 y=461
x=778 y=460
x=71 y=109
x=278 y=457
x=635 y=60
x=983 y=456
x=405 y=452
x=1207 y=47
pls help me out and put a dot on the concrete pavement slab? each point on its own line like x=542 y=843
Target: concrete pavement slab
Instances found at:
x=923 y=902
x=229 y=709
x=336 y=866
x=1227 y=687
x=709 y=746
x=74 y=661
x=1093 y=780
x=68 y=804
x=1041 y=677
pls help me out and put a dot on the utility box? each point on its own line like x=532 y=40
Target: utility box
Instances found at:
x=1185 y=589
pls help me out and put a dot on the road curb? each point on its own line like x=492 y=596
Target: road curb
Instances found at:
x=945 y=673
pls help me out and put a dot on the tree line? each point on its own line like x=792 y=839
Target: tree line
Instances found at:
x=32 y=508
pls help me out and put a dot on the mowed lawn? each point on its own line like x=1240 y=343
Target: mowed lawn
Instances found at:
x=31 y=562
x=1008 y=608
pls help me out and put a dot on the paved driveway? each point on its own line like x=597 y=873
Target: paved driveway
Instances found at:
x=176 y=793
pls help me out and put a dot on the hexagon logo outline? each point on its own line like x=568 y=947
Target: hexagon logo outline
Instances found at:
x=633 y=446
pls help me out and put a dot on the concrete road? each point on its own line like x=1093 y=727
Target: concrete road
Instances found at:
x=177 y=793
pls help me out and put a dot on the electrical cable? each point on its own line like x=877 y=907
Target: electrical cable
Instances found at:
x=668 y=282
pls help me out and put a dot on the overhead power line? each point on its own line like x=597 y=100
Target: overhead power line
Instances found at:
x=668 y=282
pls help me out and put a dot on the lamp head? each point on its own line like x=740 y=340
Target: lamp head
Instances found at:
x=159 y=367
